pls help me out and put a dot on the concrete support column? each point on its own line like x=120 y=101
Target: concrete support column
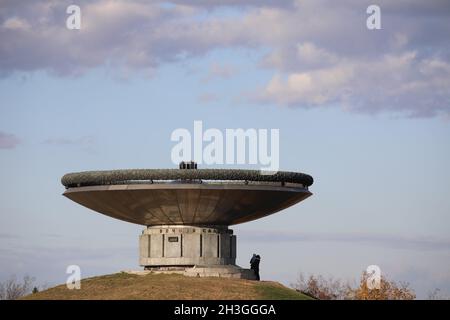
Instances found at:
x=186 y=246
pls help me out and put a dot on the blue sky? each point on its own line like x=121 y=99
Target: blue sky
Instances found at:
x=372 y=129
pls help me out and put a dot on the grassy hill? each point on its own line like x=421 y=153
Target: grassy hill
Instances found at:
x=170 y=287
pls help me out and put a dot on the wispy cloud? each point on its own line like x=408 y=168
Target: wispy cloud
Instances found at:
x=387 y=240
x=8 y=236
x=207 y=98
x=86 y=143
x=8 y=140
x=82 y=141
x=220 y=71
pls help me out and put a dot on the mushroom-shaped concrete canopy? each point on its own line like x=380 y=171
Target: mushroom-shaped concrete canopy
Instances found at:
x=195 y=197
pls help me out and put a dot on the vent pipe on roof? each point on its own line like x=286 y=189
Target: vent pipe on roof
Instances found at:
x=188 y=165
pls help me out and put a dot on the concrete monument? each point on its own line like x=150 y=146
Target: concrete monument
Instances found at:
x=187 y=211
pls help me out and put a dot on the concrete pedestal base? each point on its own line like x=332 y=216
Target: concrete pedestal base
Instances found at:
x=226 y=271
x=193 y=251
x=229 y=271
x=186 y=246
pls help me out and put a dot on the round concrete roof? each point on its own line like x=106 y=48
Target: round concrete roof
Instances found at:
x=195 y=197
x=134 y=176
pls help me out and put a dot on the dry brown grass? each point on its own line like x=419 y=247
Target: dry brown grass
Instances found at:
x=168 y=287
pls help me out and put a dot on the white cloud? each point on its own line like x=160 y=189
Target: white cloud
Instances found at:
x=310 y=54
x=401 y=83
x=309 y=88
x=318 y=55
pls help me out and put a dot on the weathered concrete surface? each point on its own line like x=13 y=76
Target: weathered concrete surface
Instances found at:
x=226 y=271
x=189 y=203
x=161 y=246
